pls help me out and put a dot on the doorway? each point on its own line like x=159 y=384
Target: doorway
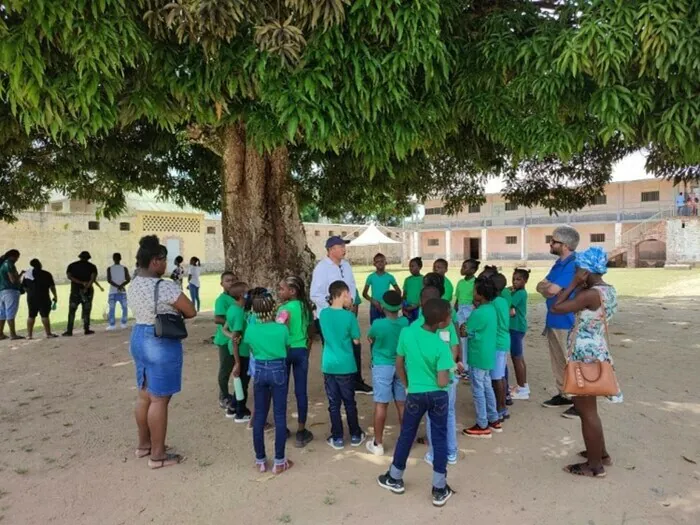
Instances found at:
x=472 y=247
x=173 y=247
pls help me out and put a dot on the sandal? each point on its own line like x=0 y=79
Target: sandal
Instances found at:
x=168 y=461
x=583 y=469
x=261 y=467
x=51 y=336
x=146 y=451
x=279 y=468
x=607 y=460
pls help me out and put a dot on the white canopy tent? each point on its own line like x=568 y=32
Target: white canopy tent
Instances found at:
x=371 y=237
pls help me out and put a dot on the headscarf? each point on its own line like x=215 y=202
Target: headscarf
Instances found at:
x=594 y=259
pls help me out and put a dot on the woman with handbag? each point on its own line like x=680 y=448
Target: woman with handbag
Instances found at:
x=159 y=308
x=589 y=373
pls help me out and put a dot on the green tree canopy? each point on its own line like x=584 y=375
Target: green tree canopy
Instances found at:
x=252 y=107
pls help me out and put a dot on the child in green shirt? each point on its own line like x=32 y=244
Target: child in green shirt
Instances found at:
x=518 y=327
x=296 y=313
x=423 y=363
x=412 y=286
x=379 y=282
x=384 y=338
x=268 y=342
x=226 y=361
x=498 y=374
x=340 y=332
x=464 y=302
x=440 y=267
x=482 y=329
x=234 y=329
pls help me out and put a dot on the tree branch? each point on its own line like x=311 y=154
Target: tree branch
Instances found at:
x=207 y=137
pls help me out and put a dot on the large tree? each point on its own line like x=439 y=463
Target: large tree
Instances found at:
x=253 y=107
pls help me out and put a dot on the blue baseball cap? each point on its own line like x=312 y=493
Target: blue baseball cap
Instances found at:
x=335 y=241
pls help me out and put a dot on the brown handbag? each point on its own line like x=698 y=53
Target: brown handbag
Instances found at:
x=590 y=379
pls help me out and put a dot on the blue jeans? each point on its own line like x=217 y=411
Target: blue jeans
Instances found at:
x=194 y=295
x=436 y=405
x=298 y=363
x=463 y=313
x=412 y=315
x=451 y=422
x=270 y=385
x=375 y=313
x=484 y=398
x=113 y=299
x=340 y=388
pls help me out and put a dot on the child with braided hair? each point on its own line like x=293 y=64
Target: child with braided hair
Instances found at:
x=269 y=343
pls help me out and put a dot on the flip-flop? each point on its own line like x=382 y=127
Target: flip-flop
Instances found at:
x=168 y=461
x=582 y=469
x=278 y=469
x=607 y=460
x=17 y=338
x=261 y=467
x=51 y=336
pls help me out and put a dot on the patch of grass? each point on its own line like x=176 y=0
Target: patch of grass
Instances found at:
x=285 y=518
x=354 y=482
x=21 y=471
x=329 y=499
x=204 y=463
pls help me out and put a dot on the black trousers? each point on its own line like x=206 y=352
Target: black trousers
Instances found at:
x=226 y=362
x=356 y=350
x=82 y=298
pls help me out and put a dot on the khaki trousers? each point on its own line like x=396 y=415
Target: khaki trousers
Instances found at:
x=556 y=340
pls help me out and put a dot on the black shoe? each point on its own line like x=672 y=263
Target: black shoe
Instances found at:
x=570 y=413
x=557 y=401
x=394 y=485
x=509 y=401
x=364 y=388
x=230 y=412
x=89 y=332
x=304 y=437
x=440 y=496
x=67 y=334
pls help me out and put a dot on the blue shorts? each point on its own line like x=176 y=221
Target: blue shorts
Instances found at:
x=517 y=348
x=499 y=372
x=158 y=361
x=9 y=304
x=386 y=384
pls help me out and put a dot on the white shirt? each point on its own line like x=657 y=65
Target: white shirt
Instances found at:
x=141 y=294
x=325 y=274
x=118 y=274
x=194 y=273
x=680 y=200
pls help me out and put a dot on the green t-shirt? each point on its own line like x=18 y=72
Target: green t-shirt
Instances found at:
x=519 y=302
x=503 y=331
x=380 y=284
x=339 y=327
x=449 y=329
x=236 y=321
x=5 y=269
x=298 y=323
x=267 y=341
x=221 y=306
x=412 y=287
x=426 y=355
x=482 y=328
x=385 y=333
x=449 y=290
x=465 y=291
x=508 y=296
x=358 y=299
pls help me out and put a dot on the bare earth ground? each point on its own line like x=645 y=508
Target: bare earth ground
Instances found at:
x=67 y=438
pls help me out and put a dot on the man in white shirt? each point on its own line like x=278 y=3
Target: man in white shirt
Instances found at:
x=333 y=268
x=117 y=277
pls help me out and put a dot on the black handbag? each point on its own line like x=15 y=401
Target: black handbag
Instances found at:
x=168 y=326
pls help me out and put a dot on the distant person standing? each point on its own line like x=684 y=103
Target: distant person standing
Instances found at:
x=82 y=275
x=38 y=283
x=10 y=285
x=680 y=203
x=117 y=277
x=193 y=273
x=178 y=272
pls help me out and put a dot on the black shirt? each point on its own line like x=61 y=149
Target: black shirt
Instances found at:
x=39 y=287
x=81 y=270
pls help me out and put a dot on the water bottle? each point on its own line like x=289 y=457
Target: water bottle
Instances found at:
x=54 y=305
x=238 y=388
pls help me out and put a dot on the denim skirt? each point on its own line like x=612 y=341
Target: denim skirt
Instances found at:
x=158 y=361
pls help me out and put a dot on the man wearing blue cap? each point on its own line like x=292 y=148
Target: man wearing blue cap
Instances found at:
x=333 y=268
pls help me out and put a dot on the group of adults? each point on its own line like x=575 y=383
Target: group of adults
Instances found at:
x=40 y=289
x=687 y=205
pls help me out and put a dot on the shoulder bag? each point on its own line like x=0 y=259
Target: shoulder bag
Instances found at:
x=168 y=326
x=590 y=379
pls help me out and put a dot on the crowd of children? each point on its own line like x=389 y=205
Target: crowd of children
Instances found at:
x=422 y=344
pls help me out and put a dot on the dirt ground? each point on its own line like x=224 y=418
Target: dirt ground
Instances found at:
x=67 y=438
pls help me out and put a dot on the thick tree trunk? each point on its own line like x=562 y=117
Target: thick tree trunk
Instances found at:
x=264 y=239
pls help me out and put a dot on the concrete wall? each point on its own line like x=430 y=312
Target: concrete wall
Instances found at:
x=683 y=241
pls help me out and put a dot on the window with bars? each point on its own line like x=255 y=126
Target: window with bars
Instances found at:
x=475 y=208
x=434 y=211
x=317 y=233
x=171 y=223
x=511 y=239
x=343 y=234
x=124 y=226
x=211 y=230
x=600 y=200
x=548 y=239
x=511 y=206
x=356 y=234
x=597 y=237
x=331 y=233
x=433 y=242
x=93 y=225
x=650 y=196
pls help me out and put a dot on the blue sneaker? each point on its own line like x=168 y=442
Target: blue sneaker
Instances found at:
x=356 y=441
x=452 y=458
x=428 y=459
x=337 y=444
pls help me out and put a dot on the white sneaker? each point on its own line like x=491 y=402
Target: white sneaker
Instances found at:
x=377 y=450
x=124 y=326
x=111 y=328
x=520 y=393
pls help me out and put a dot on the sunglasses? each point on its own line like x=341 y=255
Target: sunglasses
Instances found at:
x=554 y=241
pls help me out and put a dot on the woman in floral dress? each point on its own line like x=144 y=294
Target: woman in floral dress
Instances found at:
x=594 y=302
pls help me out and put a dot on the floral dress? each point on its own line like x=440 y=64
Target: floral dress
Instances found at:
x=591 y=343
